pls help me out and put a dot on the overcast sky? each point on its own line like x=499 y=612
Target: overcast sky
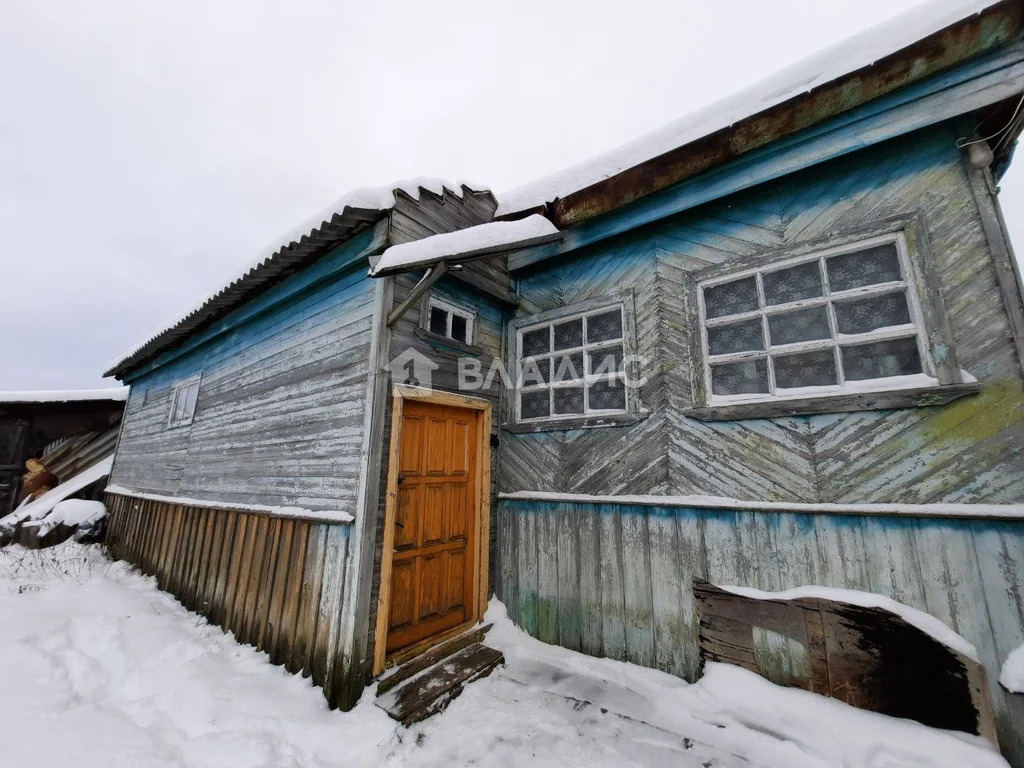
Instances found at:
x=148 y=151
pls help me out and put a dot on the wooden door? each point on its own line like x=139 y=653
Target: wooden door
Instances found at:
x=435 y=537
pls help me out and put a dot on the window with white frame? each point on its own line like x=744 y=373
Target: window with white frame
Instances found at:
x=842 y=319
x=184 y=396
x=571 y=366
x=452 y=322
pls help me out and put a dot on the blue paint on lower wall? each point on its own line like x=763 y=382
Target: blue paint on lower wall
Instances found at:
x=615 y=579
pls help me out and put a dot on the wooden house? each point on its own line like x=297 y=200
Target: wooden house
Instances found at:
x=777 y=343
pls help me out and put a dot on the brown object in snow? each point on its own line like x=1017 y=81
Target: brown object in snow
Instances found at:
x=36 y=481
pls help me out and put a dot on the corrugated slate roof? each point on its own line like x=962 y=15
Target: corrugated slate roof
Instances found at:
x=340 y=221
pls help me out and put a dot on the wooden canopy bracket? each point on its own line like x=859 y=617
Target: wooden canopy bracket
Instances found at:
x=430 y=277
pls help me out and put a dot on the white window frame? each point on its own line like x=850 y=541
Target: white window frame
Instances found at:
x=181 y=389
x=587 y=379
x=915 y=328
x=452 y=309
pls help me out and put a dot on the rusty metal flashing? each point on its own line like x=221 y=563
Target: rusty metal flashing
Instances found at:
x=992 y=28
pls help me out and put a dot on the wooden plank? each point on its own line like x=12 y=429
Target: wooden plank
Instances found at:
x=570 y=619
x=429 y=658
x=219 y=612
x=270 y=561
x=674 y=544
x=282 y=654
x=253 y=580
x=271 y=635
x=193 y=560
x=613 y=599
x=589 y=533
x=209 y=587
x=547 y=573
x=508 y=562
x=184 y=559
x=309 y=605
x=527 y=540
x=233 y=591
x=636 y=584
x=326 y=671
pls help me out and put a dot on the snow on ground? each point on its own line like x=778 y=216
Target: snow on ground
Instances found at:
x=102 y=669
x=1011 y=676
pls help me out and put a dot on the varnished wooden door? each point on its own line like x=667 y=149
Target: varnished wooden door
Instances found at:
x=435 y=536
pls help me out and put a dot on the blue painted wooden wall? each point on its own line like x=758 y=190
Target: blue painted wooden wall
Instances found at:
x=282 y=401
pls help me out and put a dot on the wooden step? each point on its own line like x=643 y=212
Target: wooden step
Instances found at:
x=430 y=657
x=437 y=686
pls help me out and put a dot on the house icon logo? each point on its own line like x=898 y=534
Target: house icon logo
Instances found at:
x=412 y=368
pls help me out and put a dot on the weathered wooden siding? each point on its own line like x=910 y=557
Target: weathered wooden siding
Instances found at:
x=276 y=583
x=970 y=450
x=615 y=579
x=281 y=404
x=488 y=346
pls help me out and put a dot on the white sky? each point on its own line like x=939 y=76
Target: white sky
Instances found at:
x=149 y=151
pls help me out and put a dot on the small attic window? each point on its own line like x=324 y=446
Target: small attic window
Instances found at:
x=447 y=320
x=184 y=396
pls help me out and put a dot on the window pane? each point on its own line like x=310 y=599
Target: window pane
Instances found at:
x=738 y=337
x=731 y=298
x=604 y=327
x=871 y=266
x=534 y=405
x=607 y=395
x=438 y=321
x=865 y=315
x=569 y=334
x=898 y=357
x=568 y=367
x=606 y=360
x=459 y=326
x=812 y=369
x=536 y=372
x=748 y=377
x=569 y=400
x=793 y=284
x=802 y=325
x=537 y=342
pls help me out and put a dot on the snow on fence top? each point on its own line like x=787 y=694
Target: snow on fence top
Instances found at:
x=916 y=618
x=379 y=199
x=332 y=516
x=492 y=237
x=117 y=394
x=850 y=55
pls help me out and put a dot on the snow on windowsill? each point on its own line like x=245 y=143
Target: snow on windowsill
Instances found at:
x=697 y=501
x=495 y=234
x=925 y=622
x=329 y=516
x=864 y=386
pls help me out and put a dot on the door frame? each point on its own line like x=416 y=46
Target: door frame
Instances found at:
x=477 y=604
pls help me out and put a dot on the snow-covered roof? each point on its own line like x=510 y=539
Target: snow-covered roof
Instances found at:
x=335 y=223
x=117 y=394
x=493 y=237
x=846 y=57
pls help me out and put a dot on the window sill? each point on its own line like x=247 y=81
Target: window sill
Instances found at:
x=918 y=397
x=437 y=340
x=577 y=422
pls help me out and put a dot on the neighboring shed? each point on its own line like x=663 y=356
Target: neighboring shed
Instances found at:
x=33 y=423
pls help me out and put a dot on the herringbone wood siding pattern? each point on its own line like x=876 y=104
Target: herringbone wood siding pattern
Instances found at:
x=969 y=450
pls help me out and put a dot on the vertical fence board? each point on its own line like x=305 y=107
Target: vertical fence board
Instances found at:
x=567 y=545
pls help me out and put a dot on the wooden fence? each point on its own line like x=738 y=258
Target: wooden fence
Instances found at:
x=616 y=580
x=275 y=582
